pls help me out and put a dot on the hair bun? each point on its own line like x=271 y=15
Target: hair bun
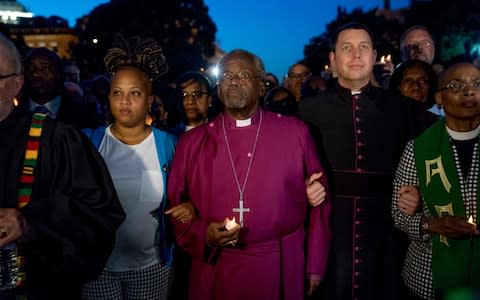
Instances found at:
x=143 y=53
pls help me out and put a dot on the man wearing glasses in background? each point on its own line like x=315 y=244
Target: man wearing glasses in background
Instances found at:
x=417 y=43
x=297 y=75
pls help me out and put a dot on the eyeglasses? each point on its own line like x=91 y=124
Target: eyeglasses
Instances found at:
x=2 y=77
x=457 y=87
x=299 y=76
x=241 y=77
x=195 y=95
x=417 y=46
x=423 y=82
x=422 y=44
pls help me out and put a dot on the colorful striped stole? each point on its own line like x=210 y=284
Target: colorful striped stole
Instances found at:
x=27 y=176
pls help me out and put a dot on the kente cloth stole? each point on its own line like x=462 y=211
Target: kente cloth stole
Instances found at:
x=31 y=155
x=455 y=262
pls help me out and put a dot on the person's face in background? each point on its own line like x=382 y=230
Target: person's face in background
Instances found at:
x=296 y=76
x=130 y=97
x=418 y=44
x=270 y=82
x=43 y=80
x=415 y=83
x=71 y=73
x=195 y=102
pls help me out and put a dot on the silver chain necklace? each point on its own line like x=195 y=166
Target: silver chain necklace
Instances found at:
x=241 y=189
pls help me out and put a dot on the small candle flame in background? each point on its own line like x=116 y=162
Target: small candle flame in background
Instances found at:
x=326 y=67
x=15 y=101
x=470 y=220
x=230 y=223
x=382 y=59
x=389 y=57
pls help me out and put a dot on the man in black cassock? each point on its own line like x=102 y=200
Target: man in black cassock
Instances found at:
x=360 y=132
x=67 y=229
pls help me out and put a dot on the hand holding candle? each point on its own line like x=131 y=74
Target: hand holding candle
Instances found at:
x=230 y=224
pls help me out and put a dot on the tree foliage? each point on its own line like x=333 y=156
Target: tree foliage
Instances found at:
x=183 y=28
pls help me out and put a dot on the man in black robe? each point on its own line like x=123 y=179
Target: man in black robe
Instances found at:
x=67 y=229
x=360 y=131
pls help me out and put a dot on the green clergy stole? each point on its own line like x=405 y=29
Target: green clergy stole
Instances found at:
x=455 y=262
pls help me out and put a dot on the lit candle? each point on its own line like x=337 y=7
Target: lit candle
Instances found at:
x=231 y=224
x=326 y=67
x=15 y=101
x=382 y=59
x=470 y=220
x=389 y=57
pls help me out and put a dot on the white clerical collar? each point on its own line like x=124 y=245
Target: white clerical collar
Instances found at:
x=464 y=136
x=243 y=123
x=356 y=92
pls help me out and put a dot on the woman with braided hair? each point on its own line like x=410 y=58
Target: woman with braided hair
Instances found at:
x=138 y=157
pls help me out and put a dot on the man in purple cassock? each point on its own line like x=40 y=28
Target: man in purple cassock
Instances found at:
x=259 y=168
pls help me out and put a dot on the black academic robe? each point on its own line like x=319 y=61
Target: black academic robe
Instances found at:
x=360 y=139
x=74 y=210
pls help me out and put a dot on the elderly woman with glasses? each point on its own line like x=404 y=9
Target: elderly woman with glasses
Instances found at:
x=437 y=192
x=194 y=101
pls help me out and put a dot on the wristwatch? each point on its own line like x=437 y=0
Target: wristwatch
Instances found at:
x=424 y=224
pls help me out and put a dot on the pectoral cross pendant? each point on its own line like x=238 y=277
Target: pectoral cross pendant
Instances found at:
x=240 y=209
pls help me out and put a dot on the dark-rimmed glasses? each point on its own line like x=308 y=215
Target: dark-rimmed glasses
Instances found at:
x=195 y=95
x=457 y=87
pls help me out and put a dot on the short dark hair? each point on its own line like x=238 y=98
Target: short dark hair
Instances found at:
x=350 y=25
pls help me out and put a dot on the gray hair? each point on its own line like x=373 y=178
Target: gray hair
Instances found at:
x=404 y=35
x=252 y=58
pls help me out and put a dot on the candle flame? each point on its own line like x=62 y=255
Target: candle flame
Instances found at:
x=230 y=224
x=389 y=57
x=15 y=101
x=470 y=220
x=326 y=67
x=382 y=59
